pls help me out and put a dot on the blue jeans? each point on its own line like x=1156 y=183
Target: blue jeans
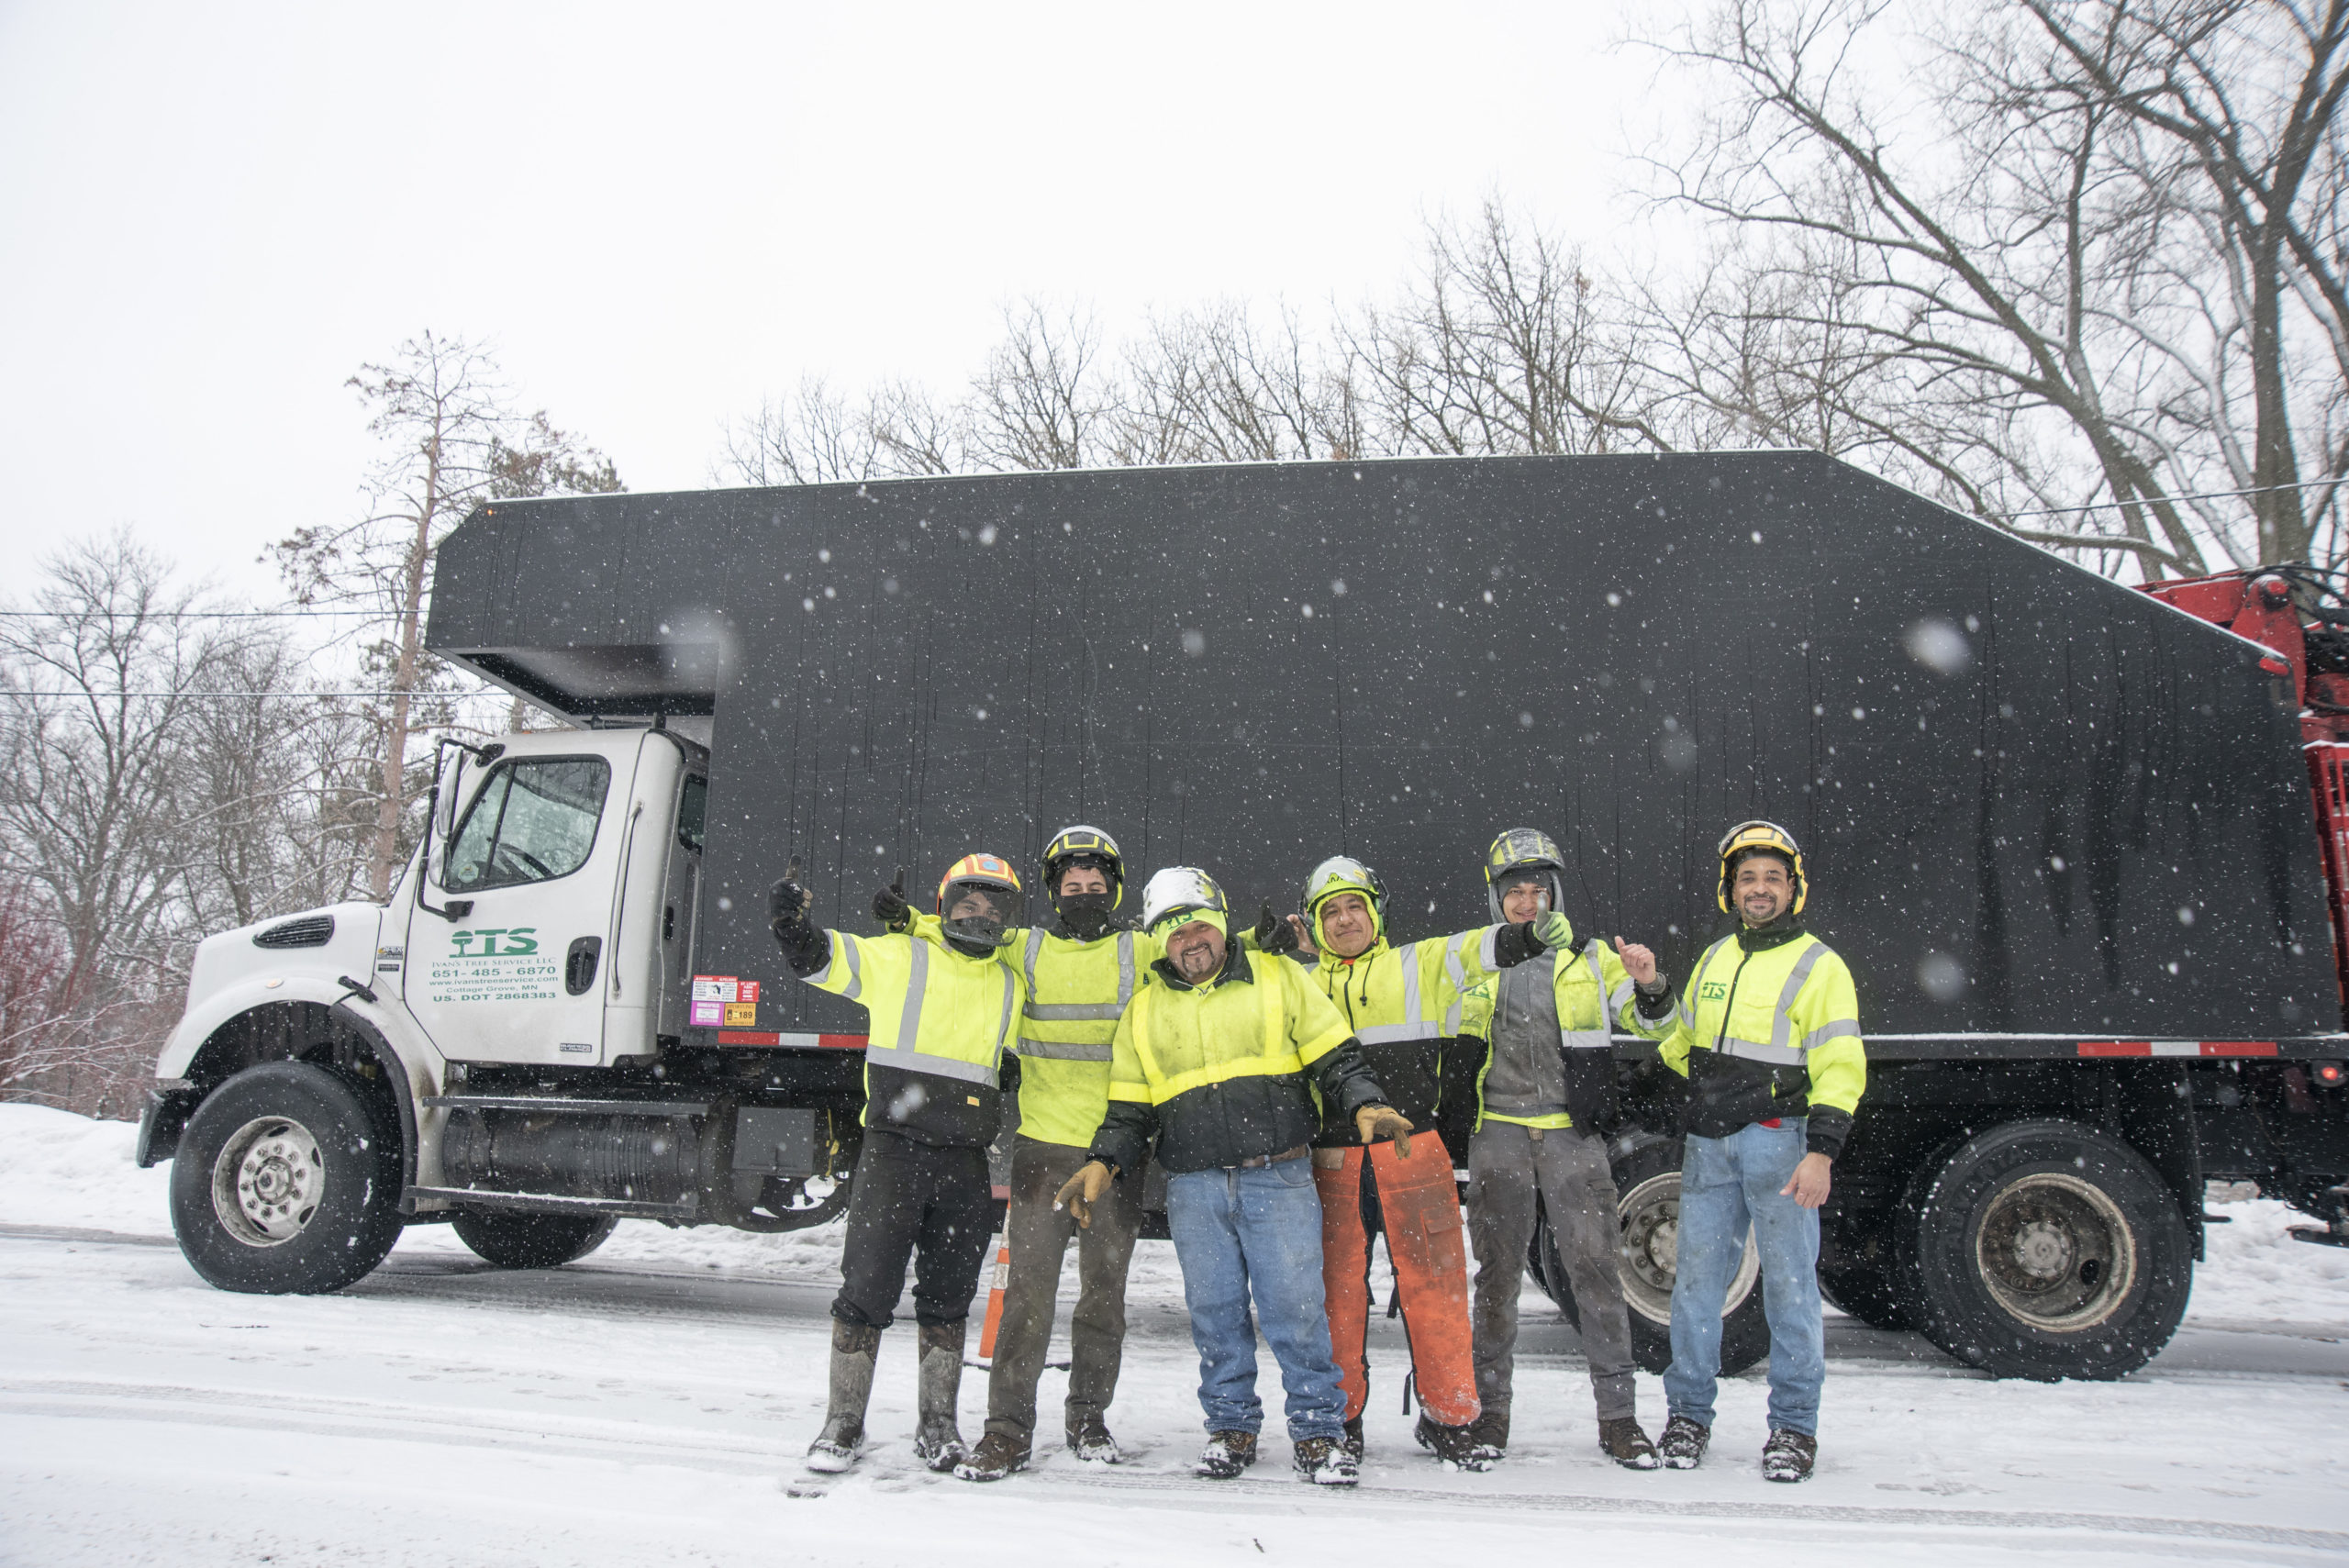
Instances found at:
x=1258 y=1231
x=1726 y=1183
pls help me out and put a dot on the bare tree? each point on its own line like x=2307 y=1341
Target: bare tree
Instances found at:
x=814 y=438
x=452 y=442
x=2033 y=300
x=1214 y=385
x=1045 y=399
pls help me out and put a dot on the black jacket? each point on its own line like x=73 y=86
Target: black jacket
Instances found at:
x=1218 y=1124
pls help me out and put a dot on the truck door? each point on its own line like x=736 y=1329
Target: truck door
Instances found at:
x=538 y=850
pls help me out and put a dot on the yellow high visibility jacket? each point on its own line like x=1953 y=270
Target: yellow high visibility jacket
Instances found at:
x=941 y=1023
x=1586 y=996
x=1219 y=1072
x=1403 y=1002
x=1769 y=1027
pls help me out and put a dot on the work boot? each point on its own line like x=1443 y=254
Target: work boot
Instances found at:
x=1089 y=1439
x=1353 y=1436
x=996 y=1457
x=855 y=1347
x=938 y=1438
x=1684 y=1443
x=1325 y=1462
x=1226 y=1455
x=1626 y=1444
x=1789 y=1456
x=1490 y=1432
x=1454 y=1445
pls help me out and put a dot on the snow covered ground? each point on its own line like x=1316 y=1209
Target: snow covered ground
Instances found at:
x=640 y=1406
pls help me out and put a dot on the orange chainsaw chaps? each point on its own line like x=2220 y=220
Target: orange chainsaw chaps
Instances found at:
x=1419 y=1209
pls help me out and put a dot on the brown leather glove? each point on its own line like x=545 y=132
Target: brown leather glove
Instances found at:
x=1375 y=1122
x=1082 y=1191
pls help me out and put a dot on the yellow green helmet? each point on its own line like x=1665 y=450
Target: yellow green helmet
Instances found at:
x=1343 y=873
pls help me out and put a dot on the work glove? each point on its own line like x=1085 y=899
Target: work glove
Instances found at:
x=788 y=903
x=1375 y=1122
x=889 y=906
x=1082 y=1191
x=1273 y=935
x=1552 y=931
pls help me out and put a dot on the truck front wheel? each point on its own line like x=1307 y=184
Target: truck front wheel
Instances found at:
x=284 y=1183
x=1647 y=1184
x=522 y=1241
x=2047 y=1250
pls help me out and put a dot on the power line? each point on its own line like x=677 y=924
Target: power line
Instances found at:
x=304 y=612
x=2149 y=500
x=96 y=693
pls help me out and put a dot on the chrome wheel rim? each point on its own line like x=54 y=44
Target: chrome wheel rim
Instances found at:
x=268 y=1181
x=1650 y=1214
x=2055 y=1252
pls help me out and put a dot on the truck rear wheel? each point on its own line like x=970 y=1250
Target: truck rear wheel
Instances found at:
x=1647 y=1185
x=284 y=1183
x=1862 y=1271
x=2047 y=1250
x=523 y=1240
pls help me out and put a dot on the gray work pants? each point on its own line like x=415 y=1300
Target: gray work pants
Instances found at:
x=1040 y=1238
x=1507 y=1165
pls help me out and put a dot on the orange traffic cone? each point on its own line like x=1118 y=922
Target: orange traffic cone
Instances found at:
x=995 y=1299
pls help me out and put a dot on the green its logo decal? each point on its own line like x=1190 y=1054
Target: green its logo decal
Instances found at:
x=1714 y=990
x=514 y=942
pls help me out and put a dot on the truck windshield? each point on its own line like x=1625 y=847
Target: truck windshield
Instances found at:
x=534 y=820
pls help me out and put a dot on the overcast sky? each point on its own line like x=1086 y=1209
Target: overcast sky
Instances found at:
x=211 y=215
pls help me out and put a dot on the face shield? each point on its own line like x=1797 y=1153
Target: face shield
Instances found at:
x=980 y=913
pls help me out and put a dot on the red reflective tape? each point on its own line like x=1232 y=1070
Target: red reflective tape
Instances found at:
x=2192 y=1048
x=2116 y=1048
x=842 y=1042
x=2238 y=1048
x=748 y=1037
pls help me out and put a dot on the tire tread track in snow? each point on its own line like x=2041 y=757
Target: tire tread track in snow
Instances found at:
x=633 y=1440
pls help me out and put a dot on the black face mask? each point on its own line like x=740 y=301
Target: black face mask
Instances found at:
x=1087 y=915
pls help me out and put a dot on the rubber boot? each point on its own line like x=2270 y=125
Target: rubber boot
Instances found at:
x=855 y=1348
x=938 y=1439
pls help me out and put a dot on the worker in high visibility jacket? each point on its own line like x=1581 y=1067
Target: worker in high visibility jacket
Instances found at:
x=1217 y=1063
x=1403 y=1002
x=1545 y=1114
x=1768 y=1036
x=1078 y=975
x=943 y=1009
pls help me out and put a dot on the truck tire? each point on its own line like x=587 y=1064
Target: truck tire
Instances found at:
x=1863 y=1274
x=524 y=1240
x=1647 y=1185
x=2046 y=1250
x=286 y=1182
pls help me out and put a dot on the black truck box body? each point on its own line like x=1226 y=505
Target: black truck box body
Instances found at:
x=2033 y=802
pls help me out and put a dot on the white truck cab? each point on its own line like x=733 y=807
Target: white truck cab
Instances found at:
x=497 y=1045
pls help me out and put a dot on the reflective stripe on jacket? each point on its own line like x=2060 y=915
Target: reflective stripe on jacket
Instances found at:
x=940 y=1022
x=1218 y=1073
x=1076 y=993
x=1778 y=1021
x=1403 y=1003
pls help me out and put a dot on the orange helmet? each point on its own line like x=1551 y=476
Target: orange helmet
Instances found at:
x=998 y=885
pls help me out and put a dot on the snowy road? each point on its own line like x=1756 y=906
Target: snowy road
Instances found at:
x=643 y=1406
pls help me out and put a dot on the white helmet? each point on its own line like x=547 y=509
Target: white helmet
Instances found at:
x=1182 y=892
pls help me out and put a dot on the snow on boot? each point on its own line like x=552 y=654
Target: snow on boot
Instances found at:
x=1353 y=1436
x=1490 y=1433
x=1454 y=1445
x=1226 y=1455
x=1089 y=1439
x=1789 y=1456
x=938 y=1438
x=1326 y=1463
x=1626 y=1444
x=996 y=1457
x=1683 y=1446
x=855 y=1347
